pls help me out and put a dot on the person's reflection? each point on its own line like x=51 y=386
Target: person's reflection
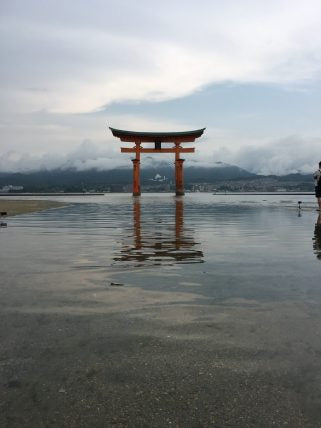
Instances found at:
x=159 y=243
x=317 y=238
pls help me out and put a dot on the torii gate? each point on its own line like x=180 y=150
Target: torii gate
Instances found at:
x=158 y=138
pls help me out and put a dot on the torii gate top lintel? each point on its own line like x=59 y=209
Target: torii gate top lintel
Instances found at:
x=151 y=137
x=158 y=138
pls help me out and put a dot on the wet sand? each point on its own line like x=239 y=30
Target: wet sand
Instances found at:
x=15 y=207
x=72 y=357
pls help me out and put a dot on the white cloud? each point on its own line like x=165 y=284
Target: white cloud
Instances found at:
x=44 y=140
x=83 y=55
x=86 y=156
x=290 y=155
x=293 y=154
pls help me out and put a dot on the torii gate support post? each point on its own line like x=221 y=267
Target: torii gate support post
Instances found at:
x=136 y=171
x=179 y=175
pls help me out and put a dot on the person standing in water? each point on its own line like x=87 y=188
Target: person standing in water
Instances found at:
x=317 y=183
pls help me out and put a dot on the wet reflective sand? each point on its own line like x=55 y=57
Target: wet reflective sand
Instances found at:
x=160 y=311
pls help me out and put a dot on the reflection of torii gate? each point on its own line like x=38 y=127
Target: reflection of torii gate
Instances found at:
x=158 y=138
x=167 y=245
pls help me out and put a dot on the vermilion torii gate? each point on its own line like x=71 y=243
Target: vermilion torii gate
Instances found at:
x=158 y=138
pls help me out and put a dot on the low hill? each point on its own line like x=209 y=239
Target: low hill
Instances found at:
x=159 y=176
x=74 y=180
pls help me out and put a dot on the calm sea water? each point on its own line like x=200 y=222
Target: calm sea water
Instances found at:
x=230 y=245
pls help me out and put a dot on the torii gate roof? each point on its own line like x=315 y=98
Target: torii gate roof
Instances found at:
x=185 y=136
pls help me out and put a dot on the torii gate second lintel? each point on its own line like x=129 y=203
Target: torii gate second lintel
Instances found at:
x=158 y=138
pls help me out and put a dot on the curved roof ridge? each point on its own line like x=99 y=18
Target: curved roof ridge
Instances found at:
x=152 y=136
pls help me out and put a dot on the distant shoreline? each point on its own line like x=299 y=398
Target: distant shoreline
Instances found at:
x=263 y=193
x=4 y=195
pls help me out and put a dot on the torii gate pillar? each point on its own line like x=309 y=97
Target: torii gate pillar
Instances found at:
x=136 y=177
x=179 y=177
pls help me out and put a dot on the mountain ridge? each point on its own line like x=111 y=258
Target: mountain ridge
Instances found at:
x=117 y=179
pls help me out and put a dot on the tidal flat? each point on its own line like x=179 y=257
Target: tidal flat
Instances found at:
x=201 y=311
x=22 y=206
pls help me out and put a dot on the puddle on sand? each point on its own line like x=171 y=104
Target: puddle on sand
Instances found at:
x=212 y=246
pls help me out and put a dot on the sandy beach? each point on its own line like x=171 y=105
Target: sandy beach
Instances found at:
x=15 y=207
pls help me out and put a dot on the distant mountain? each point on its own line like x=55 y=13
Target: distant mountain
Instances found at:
x=58 y=179
x=72 y=180
x=220 y=171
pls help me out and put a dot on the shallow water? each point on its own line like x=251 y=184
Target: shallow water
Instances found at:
x=244 y=243
x=232 y=282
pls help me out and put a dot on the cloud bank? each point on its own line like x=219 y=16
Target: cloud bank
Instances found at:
x=290 y=155
x=275 y=157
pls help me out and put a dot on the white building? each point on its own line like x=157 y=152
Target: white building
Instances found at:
x=10 y=188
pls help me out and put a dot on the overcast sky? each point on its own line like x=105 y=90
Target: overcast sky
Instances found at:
x=247 y=70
